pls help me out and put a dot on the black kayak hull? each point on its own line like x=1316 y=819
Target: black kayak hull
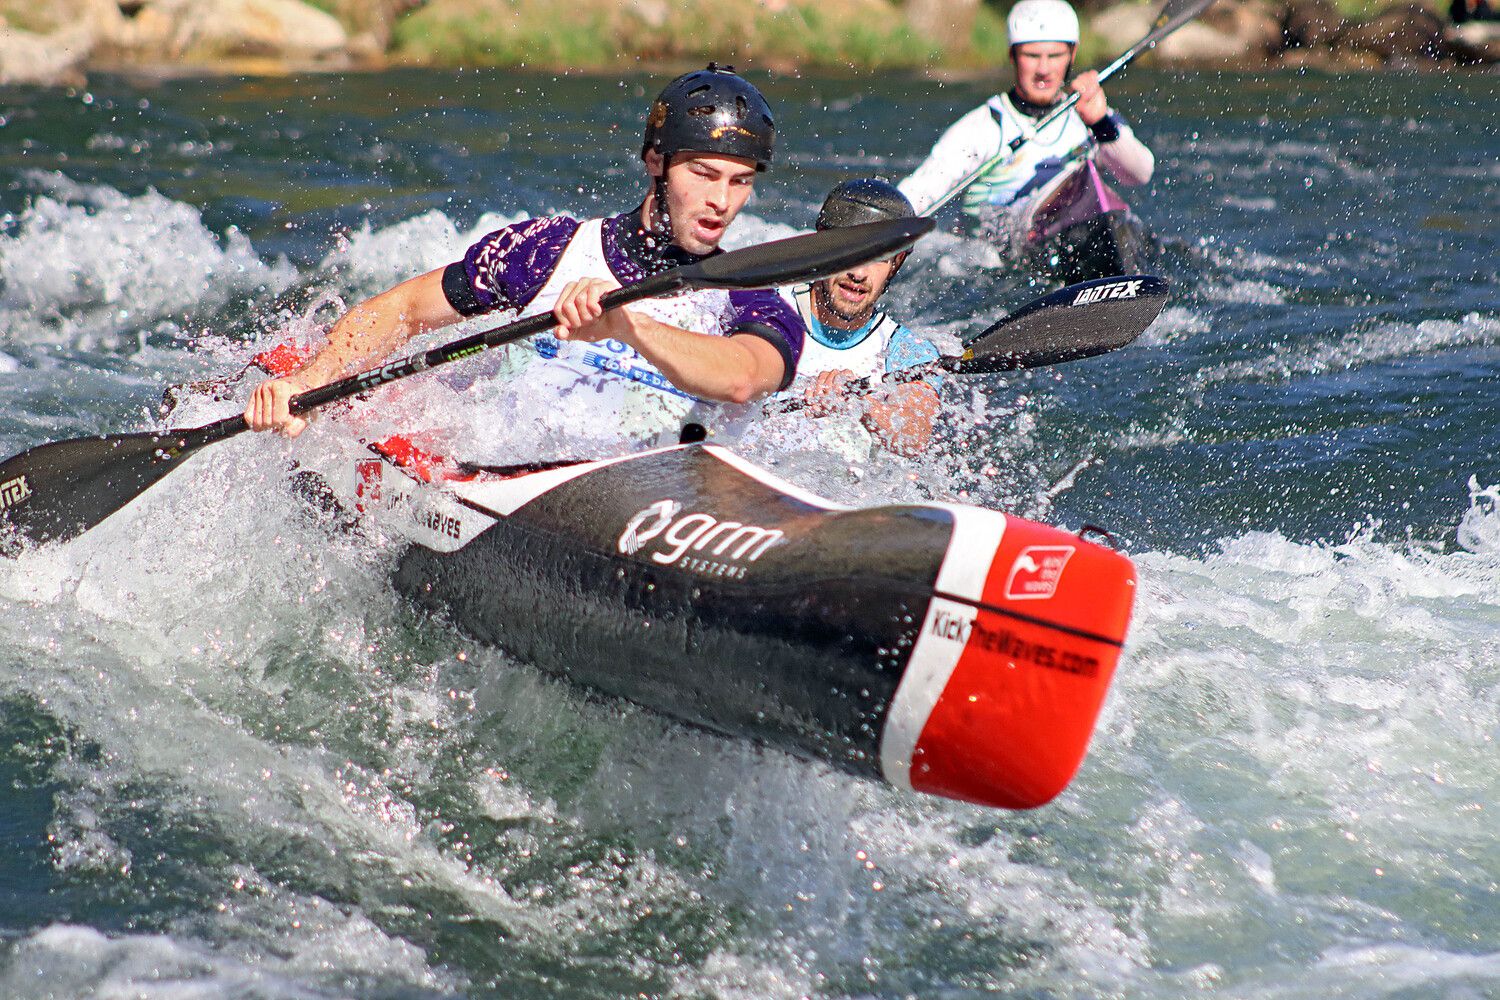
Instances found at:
x=942 y=648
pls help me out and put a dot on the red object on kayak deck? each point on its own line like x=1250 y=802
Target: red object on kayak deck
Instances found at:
x=425 y=465
x=281 y=360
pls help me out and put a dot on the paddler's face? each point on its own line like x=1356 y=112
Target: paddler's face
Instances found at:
x=705 y=191
x=1041 y=69
x=848 y=299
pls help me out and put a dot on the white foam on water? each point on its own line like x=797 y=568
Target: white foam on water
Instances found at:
x=1320 y=719
x=332 y=950
x=8 y=364
x=1174 y=325
x=1288 y=719
x=377 y=259
x=1262 y=204
x=88 y=266
x=1374 y=345
x=1244 y=291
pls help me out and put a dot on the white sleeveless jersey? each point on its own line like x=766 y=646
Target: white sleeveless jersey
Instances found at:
x=974 y=158
x=629 y=399
x=865 y=359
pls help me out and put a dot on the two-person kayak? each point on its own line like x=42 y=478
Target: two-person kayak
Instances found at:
x=944 y=648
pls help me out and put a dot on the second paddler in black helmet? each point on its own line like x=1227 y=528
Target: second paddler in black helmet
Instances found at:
x=627 y=377
x=850 y=336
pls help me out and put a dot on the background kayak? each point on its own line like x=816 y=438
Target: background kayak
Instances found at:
x=1079 y=228
x=235 y=762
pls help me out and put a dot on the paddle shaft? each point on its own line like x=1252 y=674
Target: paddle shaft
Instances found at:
x=1172 y=17
x=312 y=399
x=57 y=491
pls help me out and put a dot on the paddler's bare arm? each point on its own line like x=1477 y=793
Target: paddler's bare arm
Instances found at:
x=734 y=369
x=370 y=332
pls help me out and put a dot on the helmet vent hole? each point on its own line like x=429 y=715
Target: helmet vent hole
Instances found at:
x=701 y=109
x=741 y=106
x=699 y=90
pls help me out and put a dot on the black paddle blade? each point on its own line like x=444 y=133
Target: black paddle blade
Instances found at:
x=1175 y=13
x=56 y=492
x=799 y=259
x=1079 y=321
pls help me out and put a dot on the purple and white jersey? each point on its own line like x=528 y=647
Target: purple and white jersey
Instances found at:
x=509 y=267
x=607 y=393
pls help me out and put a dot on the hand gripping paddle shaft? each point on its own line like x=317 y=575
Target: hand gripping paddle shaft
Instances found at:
x=1174 y=14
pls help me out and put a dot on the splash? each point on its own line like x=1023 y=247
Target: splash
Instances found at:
x=88 y=267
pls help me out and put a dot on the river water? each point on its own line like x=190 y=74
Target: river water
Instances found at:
x=234 y=764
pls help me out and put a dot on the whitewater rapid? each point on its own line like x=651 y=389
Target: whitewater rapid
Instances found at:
x=220 y=707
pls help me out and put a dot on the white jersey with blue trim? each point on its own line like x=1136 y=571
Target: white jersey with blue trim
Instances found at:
x=882 y=345
x=973 y=158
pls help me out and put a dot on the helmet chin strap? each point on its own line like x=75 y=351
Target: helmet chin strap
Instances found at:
x=661 y=215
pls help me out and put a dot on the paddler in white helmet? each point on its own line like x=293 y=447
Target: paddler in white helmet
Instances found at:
x=974 y=159
x=851 y=337
x=626 y=377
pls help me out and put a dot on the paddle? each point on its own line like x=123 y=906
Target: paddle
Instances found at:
x=1079 y=321
x=1174 y=14
x=57 y=491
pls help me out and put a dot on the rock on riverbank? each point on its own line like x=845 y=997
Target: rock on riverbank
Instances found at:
x=1302 y=33
x=58 y=41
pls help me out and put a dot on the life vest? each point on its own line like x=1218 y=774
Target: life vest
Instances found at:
x=866 y=359
x=633 y=400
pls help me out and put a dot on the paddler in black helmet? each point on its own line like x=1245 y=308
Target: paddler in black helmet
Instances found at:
x=973 y=157
x=850 y=336
x=650 y=368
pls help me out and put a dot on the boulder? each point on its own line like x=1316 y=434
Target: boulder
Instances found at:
x=1121 y=26
x=1310 y=24
x=1476 y=42
x=1242 y=30
x=1231 y=31
x=47 y=60
x=278 y=29
x=1405 y=33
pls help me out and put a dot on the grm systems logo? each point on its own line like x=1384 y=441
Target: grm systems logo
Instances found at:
x=730 y=541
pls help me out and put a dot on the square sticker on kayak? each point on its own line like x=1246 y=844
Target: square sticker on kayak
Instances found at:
x=1034 y=574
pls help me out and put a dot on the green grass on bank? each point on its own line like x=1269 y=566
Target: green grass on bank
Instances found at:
x=591 y=34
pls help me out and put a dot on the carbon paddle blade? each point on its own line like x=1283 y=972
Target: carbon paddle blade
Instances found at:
x=56 y=492
x=1075 y=322
x=798 y=259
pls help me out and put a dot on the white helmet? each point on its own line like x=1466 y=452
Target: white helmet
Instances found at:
x=1042 y=21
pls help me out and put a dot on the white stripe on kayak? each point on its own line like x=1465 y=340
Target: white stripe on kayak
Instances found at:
x=966 y=565
x=772 y=480
x=506 y=496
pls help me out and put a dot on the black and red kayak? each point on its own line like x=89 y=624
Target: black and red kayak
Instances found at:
x=945 y=648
